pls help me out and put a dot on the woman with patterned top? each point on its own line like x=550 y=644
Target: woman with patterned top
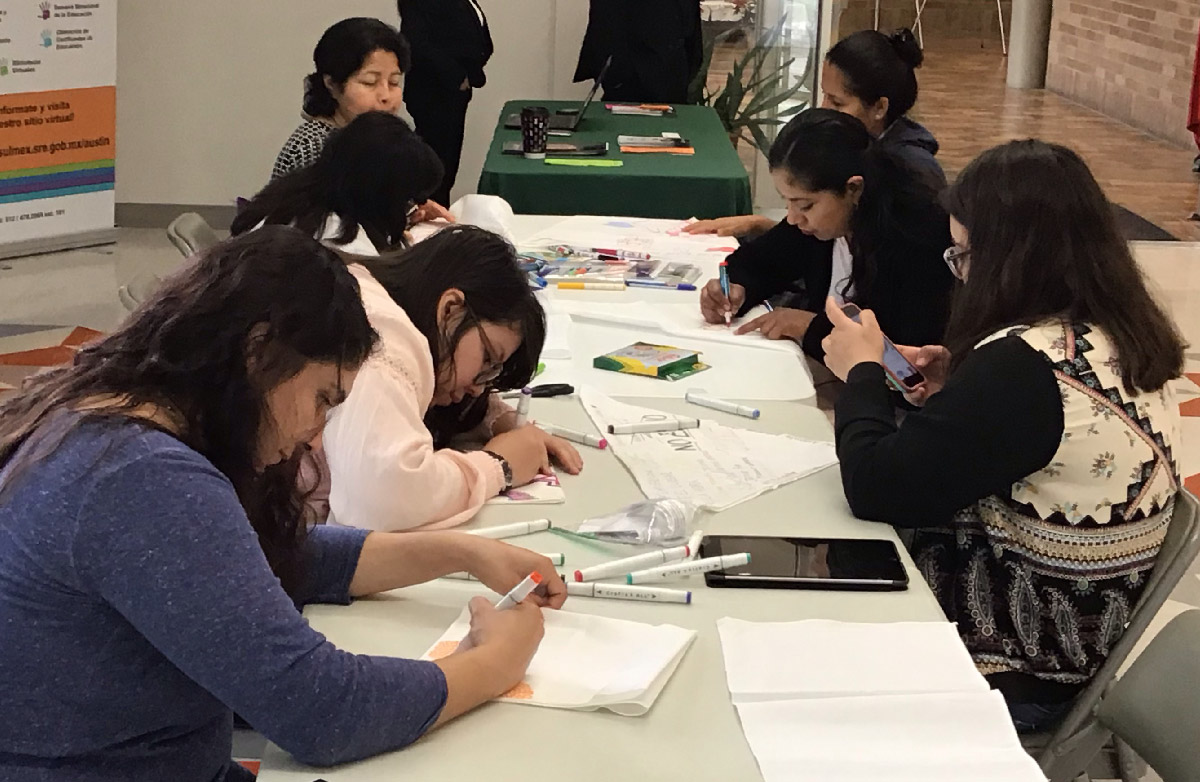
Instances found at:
x=1040 y=474
x=360 y=66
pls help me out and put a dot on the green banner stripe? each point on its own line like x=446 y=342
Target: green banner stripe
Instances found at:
x=57 y=169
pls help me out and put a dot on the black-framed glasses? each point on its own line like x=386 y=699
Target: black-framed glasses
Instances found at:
x=493 y=368
x=956 y=257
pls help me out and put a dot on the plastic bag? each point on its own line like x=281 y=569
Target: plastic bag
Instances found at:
x=657 y=522
x=485 y=211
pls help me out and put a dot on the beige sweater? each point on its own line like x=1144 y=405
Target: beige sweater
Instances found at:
x=385 y=473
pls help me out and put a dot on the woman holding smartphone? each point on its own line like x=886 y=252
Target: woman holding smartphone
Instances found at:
x=1040 y=474
x=870 y=232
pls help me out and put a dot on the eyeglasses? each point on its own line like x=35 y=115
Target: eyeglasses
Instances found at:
x=955 y=258
x=492 y=369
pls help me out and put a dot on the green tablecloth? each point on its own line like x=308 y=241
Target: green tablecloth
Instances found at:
x=710 y=183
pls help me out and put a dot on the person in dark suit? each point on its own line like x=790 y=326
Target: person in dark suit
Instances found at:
x=450 y=44
x=656 y=46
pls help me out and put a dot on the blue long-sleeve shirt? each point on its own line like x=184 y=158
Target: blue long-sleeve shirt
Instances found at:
x=137 y=612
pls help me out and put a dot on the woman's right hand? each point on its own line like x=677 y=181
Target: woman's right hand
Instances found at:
x=714 y=305
x=738 y=226
x=524 y=448
x=508 y=639
x=934 y=363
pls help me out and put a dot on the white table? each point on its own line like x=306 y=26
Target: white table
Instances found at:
x=692 y=732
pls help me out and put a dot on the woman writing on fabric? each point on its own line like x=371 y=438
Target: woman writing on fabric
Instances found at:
x=870 y=232
x=1041 y=473
x=457 y=320
x=361 y=194
x=154 y=553
x=870 y=76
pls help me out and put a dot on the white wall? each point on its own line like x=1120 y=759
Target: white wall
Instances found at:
x=208 y=91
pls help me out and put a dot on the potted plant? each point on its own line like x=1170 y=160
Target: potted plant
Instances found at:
x=753 y=89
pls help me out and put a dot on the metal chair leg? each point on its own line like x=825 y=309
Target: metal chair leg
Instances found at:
x=1003 y=40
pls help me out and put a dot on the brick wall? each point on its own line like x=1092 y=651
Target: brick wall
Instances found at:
x=941 y=20
x=1130 y=60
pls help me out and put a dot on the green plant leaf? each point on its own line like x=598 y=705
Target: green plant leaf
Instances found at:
x=760 y=139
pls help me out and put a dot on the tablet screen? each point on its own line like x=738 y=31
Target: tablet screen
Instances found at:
x=808 y=559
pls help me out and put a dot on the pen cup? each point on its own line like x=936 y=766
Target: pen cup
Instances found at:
x=535 y=124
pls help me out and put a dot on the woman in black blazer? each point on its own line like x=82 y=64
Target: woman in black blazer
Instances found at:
x=656 y=48
x=450 y=44
x=873 y=234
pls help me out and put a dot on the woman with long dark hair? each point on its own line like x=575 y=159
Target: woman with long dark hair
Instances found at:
x=457 y=320
x=155 y=554
x=1041 y=473
x=362 y=193
x=359 y=67
x=870 y=232
x=870 y=76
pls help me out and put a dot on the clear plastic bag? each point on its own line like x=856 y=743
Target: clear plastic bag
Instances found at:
x=656 y=522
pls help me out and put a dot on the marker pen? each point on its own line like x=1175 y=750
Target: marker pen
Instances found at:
x=511 y=530
x=523 y=406
x=623 y=592
x=713 y=403
x=591 y=286
x=654 y=426
x=576 y=437
x=520 y=591
x=619 y=567
x=693 y=543
x=688 y=568
x=723 y=272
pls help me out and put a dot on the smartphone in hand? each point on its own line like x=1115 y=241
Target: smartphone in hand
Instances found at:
x=896 y=366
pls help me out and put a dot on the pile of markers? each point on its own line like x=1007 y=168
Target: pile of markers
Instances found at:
x=632 y=574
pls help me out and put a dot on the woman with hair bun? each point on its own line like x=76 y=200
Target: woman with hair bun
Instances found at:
x=871 y=76
x=868 y=75
x=360 y=66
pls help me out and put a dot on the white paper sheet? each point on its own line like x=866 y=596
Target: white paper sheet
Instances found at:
x=588 y=662
x=542 y=490
x=913 y=738
x=680 y=319
x=818 y=658
x=714 y=466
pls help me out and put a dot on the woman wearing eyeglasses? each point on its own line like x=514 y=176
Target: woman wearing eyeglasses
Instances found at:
x=370 y=183
x=1040 y=475
x=456 y=320
x=872 y=233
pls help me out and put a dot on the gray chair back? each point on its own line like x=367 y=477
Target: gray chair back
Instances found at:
x=1155 y=706
x=1067 y=751
x=190 y=234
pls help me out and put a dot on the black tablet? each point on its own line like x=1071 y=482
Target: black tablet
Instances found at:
x=807 y=563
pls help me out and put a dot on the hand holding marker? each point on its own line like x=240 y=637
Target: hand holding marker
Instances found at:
x=723 y=269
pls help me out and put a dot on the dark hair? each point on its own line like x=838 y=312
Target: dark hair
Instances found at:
x=875 y=66
x=275 y=298
x=484 y=267
x=369 y=174
x=1044 y=244
x=821 y=149
x=341 y=52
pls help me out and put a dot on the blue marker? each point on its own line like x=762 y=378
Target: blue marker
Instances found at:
x=723 y=269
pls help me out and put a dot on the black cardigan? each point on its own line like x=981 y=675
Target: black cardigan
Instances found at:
x=910 y=295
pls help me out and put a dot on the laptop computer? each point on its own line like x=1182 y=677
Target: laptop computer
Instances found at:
x=566 y=120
